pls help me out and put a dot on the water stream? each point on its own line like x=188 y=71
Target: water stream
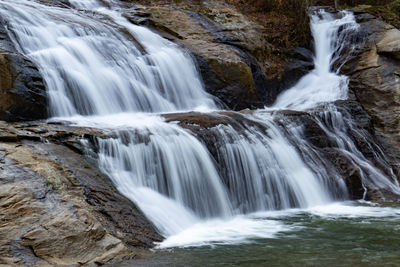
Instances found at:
x=102 y=71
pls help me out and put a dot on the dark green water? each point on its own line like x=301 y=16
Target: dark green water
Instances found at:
x=357 y=236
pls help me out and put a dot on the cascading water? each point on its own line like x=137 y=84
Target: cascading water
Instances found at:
x=322 y=84
x=92 y=68
x=336 y=125
x=325 y=84
x=102 y=71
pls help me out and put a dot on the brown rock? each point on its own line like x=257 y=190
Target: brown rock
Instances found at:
x=375 y=80
x=70 y=236
x=227 y=71
x=390 y=43
x=55 y=209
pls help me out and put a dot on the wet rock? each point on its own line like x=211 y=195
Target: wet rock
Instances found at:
x=374 y=72
x=350 y=173
x=23 y=94
x=301 y=62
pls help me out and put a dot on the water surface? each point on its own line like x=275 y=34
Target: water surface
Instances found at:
x=350 y=234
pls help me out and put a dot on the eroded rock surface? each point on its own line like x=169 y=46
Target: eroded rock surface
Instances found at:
x=55 y=208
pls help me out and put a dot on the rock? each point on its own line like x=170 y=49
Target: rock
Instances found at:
x=23 y=94
x=57 y=210
x=390 y=43
x=301 y=62
x=374 y=72
x=351 y=173
x=70 y=236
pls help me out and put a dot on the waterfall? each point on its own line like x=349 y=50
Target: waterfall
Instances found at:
x=322 y=84
x=102 y=71
x=93 y=66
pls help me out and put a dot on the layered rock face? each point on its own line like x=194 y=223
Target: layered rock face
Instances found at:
x=57 y=210
x=375 y=79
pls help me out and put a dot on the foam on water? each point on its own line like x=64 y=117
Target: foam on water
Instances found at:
x=236 y=230
x=244 y=229
x=354 y=210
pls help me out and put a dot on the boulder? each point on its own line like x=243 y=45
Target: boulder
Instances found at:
x=22 y=90
x=300 y=63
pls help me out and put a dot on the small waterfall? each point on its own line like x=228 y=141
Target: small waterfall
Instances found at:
x=337 y=126
x=265 y=172
x=102 y=71
x=322 y=84
x=93 y=66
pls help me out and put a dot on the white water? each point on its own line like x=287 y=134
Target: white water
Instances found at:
x=322 y=84
x=265 y=172
x=336 y=126
x=265 y=225
x=92 y=68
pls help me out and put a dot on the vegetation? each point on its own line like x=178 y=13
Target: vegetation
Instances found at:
x=287 y=21
x=364 y=2
x=387 y=10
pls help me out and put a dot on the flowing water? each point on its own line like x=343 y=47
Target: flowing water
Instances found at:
x=263 y=186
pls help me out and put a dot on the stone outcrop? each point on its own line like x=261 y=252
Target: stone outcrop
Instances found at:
x=22 y=92
x=374 y=72
x=389 y=44
x=57 y=210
